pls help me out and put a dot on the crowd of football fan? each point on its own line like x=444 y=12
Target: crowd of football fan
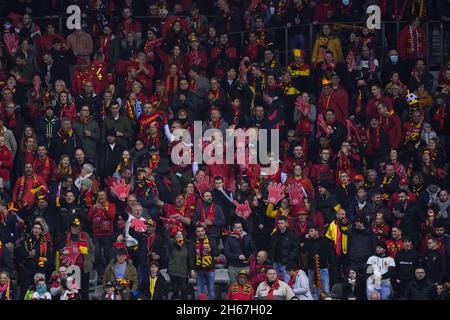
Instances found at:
x=91 y=198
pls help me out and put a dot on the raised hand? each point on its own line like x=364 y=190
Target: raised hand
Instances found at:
x=276 y=192
x=121 y=189
x=203 y=184
x=296 y=194
x=242 y=210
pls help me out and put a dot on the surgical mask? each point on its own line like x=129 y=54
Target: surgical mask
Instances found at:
x=394 y=59
x=345 y=2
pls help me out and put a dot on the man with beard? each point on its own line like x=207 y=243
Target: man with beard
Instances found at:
x=211 y=216
x=434 y=261
x=361 y=207
x=179 y=214
x=420 y=288
x=34 y=256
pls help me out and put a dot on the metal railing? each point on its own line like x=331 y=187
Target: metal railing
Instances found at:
x=310 y=35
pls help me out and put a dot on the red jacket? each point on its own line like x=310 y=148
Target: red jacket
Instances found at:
x=320 y=172
x=338 y=102
x=46 y=169
x=257 y=272
x=196 y=58
x=320 y=11
x=22 y=190
x=411 y=43
x=6 y=163
x=102 y=220
x=371 y=109
x=392 y=126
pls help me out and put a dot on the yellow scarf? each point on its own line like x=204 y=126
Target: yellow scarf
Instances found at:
x=152 y=286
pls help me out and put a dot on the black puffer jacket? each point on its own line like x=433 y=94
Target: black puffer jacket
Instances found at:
x=284 y=247
x=361 y=245
x=420 y=290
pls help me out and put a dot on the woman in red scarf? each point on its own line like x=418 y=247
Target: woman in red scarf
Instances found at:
x=64 y=168
x=65 y=108
x=172 y=80
x=168 y=60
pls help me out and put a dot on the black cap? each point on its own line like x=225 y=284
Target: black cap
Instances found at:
x=382 y=244
x=323 y=184
x=56 y=41
x=109 y=285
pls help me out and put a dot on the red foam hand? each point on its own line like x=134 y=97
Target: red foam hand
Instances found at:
x=121 y=189
x=242 y=210
x=301 y=105
x=203 y=184
x=138 y=225
x=296 y=194
x=276 y=192
x=70 y=258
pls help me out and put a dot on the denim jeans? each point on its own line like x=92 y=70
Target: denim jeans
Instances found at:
x=324 y=281
x=281 y=271
x=142 y=273
x=206 y=278
x=384 y=289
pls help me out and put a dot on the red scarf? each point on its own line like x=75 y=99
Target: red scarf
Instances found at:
x=211 y=214
x=12 y=121
x=46 y=167
x=439 y=116
x=338 y=240
x=274 y=287
x=292 y=280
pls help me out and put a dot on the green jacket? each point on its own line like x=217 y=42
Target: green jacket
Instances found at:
x=181 y=260
x=122 y=124
x=130 y=276
x=89 y=142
